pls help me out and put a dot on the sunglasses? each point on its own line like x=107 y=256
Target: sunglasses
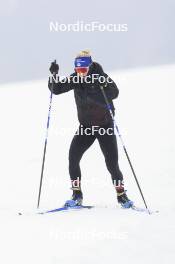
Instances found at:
x=82 y=70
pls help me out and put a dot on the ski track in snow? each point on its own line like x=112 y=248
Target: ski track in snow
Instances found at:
x=107 y=234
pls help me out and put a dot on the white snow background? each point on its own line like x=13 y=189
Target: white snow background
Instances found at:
x=106 y=234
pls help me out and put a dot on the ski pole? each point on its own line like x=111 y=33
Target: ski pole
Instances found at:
x=123 y=145
x=45 y=145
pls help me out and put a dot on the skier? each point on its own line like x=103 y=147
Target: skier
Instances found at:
x=94 y=117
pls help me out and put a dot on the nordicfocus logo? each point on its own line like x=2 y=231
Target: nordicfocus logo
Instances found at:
x=80 y=79
x=81 y=26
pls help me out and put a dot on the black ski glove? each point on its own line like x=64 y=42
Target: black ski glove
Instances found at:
x=54 y=68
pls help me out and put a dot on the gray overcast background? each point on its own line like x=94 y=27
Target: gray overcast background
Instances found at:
x=28 y=47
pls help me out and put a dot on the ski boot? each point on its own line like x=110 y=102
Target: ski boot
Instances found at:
x=122 y=198
x=76 y=199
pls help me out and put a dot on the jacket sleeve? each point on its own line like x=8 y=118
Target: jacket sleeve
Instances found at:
x=111 y=89
x=59 y=87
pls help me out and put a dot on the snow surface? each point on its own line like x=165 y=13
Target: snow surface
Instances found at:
x=145 y=115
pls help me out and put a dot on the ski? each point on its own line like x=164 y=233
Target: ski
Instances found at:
x=67 y=208
x=144 y=210
x=59 y=209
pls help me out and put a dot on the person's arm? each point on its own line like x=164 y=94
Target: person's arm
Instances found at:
x=60 y=87
x=56 y=86
x=111 y=89
x=109 y=86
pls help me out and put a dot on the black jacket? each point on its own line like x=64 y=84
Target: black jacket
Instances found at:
x=91 y=106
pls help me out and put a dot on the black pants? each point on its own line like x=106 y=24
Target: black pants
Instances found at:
x=108 y=144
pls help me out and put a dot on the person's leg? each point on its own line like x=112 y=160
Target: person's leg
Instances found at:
x=108 y=145
x=80 y=143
